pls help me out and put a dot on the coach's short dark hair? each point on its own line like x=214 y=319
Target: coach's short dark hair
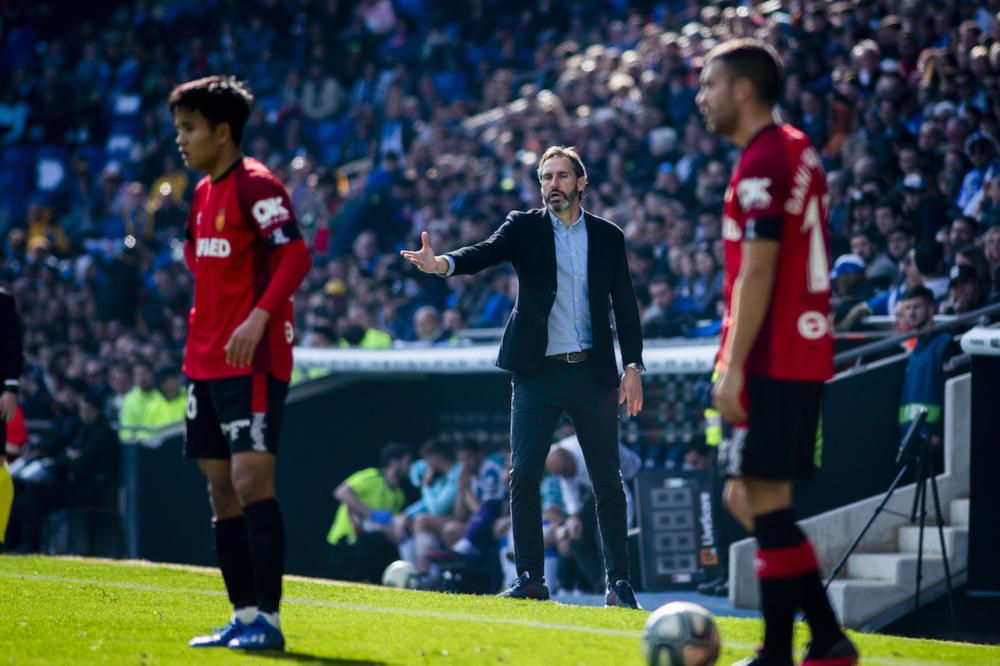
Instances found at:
x=221 y=99
x=919 y=291
x=755 y=61
x=567 y=152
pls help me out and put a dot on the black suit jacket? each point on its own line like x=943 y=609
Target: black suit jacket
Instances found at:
x=527 y=241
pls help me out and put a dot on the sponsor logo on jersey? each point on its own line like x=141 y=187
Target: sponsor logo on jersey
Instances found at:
x=269 y=212
x=731 y=230
x=752 y=193
x=213 y=247
x=220 y=220
x=289 y=332
x=813 y=325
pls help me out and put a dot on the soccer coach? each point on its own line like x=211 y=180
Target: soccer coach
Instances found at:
x=572 y=271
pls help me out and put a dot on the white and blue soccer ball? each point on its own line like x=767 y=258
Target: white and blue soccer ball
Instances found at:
x=401 y=574
x=680 y=634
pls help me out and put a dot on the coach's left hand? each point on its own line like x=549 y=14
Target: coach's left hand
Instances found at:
x=726 y=395
x=630 y=392
x=244 y=340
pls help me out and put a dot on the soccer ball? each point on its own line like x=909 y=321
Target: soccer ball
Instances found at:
x=401 y=574
x=680 y=634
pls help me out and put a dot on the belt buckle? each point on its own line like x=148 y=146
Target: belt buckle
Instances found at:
x=574 y=357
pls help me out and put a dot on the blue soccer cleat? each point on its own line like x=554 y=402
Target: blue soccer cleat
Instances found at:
x=219 y=637
x=258 y=635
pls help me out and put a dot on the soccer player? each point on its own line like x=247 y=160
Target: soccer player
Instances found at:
x=11 y=366
x=248 y=258
x=777 y=345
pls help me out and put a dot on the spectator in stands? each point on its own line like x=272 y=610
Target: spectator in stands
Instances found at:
x=928 y=259
x=966 y=292
x=428 y=328
x=849 y=285
x=92 y=458
x=170 y=400
x=667 y=315
x=923 y=384
x=137 y=413
x=361 y=536
x=879 y=269
x=991 y=246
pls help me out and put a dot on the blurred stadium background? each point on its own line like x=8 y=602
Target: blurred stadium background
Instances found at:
x=389 y=117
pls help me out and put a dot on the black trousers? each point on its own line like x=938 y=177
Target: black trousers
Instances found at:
x=538 y=402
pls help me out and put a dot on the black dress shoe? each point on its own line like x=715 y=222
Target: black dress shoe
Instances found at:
x=620 y=594
x=525 y=587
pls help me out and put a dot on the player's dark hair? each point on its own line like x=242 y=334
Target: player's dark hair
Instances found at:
x=221 y=99
x=920 y=291
x=391 y=452
x=755 y=61
x=567 y=152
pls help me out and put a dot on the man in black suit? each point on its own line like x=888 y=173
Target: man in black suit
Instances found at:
x=572 y=270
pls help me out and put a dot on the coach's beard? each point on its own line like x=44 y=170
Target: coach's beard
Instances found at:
x=563 y=203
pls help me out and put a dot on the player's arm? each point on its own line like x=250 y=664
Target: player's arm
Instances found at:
x=266 y=202
x=751 y=300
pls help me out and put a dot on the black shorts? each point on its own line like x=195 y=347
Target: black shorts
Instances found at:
x=779 y=441
x=233 y=415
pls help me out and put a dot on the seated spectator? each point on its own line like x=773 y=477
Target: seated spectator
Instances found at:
x=361 y=537
x=478 y=503
x=667 y=316
x=965 y=291
x=580 y=535
x=849 y=285
x=428 y=328
x=879 y=269
x=436 y=476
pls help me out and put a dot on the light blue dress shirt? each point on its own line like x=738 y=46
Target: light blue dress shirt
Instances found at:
x=570 y=327
x=569 y=321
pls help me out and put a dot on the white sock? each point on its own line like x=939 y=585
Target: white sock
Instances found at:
x=246 y=615
x=272 y=619
x=463 y=546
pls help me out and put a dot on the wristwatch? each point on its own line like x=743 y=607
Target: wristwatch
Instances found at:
x=638 y=367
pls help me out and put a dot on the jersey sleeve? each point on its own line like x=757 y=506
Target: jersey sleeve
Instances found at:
x=266 y=204
x=762 y=190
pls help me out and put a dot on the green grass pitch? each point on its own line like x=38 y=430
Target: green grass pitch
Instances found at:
x=68 y=611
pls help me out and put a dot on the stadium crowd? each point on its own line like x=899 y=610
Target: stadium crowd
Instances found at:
x=385 y=118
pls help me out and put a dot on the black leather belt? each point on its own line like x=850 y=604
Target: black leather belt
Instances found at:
x=572 y=357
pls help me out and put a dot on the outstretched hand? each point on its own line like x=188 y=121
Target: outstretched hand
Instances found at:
x=424 y=258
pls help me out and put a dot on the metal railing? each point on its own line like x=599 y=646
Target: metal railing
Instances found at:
x=957 y=322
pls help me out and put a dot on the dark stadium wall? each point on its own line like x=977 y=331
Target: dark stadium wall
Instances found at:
x=336 y=426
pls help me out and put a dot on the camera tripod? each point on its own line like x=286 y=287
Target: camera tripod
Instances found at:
x=914 y=455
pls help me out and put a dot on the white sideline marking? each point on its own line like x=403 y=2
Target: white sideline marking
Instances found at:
x=909 y=661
